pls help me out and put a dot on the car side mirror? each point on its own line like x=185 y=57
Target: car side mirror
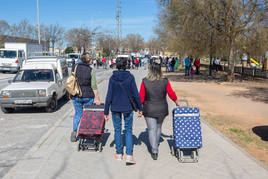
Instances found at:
x=9 y=81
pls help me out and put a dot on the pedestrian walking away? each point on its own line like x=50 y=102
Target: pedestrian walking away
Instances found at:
x=153 y=91
x=87 y=81
x=122 y=87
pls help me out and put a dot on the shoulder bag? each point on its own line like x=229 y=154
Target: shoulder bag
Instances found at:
x=72 y=85
x=131 y=99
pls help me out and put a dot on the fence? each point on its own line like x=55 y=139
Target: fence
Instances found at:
x=247 y=71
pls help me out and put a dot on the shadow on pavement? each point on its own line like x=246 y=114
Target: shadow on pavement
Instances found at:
x=61 y=103
x=105 y=138
x=259 y=94
x=261 y=131
x=142 y=138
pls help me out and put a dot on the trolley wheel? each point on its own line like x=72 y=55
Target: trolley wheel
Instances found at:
x=195 y=154
x=180 y=155
x=100 y=147
x=172 y=151
x=79 y=146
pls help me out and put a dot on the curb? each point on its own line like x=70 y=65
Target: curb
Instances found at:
x=235 y=145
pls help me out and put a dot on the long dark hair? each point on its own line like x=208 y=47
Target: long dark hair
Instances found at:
x=155 y=72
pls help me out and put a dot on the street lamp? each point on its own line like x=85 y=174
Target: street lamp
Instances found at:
x=39 y=38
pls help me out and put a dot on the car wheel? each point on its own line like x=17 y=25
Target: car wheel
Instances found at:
x=7 y=110
x=52 y=105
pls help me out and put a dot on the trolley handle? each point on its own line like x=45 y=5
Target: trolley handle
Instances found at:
x=182 y=101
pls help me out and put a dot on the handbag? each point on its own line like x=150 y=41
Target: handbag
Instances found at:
x=72 y=85
x=132 y=100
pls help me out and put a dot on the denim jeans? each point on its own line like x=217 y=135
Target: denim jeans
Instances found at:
x=187 y=70
x=117 y=122
x=78 y=107
x=171 y=68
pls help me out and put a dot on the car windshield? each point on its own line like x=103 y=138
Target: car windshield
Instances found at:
x=8 y=54
x=73 y=56
x=34 y=75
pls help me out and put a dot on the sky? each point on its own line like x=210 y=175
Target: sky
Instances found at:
x=138 y=16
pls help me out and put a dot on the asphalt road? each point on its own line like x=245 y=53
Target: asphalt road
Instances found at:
x=20 y=130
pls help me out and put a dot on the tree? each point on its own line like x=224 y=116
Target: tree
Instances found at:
x=154 y=45
x=4 y=27
x=56 y=34
x=106 y=43
x=209 y=27
x=80 y=38
x=68 y=50
x=134 y=42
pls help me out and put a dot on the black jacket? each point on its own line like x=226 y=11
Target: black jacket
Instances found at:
x=83 y=75
x=155 y=103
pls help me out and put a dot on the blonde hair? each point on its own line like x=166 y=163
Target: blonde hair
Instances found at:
x=155 y=72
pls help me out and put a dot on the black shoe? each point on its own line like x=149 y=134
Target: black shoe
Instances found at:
x=73 y=136
x=154 y=156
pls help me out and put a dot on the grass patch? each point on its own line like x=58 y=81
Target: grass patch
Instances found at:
x=241 y=134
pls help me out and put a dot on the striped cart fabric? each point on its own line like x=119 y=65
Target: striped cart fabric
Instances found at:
x=187 y=133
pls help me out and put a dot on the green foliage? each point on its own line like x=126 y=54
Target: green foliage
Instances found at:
x=69 y=50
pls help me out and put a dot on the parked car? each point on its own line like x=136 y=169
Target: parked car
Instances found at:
x=39 y=83
x=72 y=56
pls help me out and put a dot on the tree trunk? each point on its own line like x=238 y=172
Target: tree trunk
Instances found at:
x=230 y=76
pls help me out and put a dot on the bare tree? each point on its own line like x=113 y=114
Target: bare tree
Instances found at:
x=154 y=45
x=80 y=38
x=106 y=42
x=134 y=42
x=4 y=27
x=56 y=34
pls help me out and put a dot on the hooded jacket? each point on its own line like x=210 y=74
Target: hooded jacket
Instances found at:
x=116 y=97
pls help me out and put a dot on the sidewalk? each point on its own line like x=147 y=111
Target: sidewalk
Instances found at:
x=54 y=156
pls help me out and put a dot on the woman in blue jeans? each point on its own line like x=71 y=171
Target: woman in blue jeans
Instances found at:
x=87 y=81
x=120 y=105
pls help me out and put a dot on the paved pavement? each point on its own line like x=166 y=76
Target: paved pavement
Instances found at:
x=19 y=131
x=54 y=156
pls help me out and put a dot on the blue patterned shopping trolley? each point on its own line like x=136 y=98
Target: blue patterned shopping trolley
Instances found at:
x=186 y=133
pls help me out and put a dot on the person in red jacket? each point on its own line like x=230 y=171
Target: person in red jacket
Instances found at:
x=197 y=65
x=153 y=92
x=104 y=63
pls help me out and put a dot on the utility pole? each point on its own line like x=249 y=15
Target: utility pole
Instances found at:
x=119 y=24
x=39 y=38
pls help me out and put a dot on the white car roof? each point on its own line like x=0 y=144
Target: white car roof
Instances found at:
x=11 y=49
x=38 y=66
x=127 y=56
